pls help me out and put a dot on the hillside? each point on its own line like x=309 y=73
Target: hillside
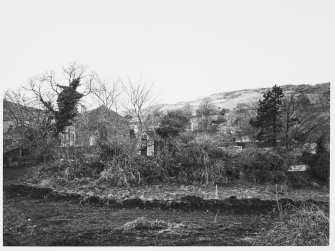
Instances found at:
x=229 y=100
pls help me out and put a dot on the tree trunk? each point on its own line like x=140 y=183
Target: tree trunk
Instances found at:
x=286 y=132
x=274 y=136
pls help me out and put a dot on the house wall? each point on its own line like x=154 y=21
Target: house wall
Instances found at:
x=68 y=138
x=100 y=124
x=114 y=133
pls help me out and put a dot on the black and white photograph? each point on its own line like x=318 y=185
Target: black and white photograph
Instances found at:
x=169 y=123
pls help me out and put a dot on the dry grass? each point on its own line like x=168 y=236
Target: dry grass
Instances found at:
x=46 y=182
x=142 y=223
x=307 y=225
x=164 y=227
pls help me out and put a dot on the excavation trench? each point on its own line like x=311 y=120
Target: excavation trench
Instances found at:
x=230 y=205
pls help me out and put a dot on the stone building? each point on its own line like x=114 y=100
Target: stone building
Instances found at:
x=100 y=124
x=15 y=118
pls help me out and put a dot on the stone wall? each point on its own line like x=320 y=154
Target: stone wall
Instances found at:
x=111 y=133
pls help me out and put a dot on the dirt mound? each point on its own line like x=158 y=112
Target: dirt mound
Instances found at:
x=231 y=205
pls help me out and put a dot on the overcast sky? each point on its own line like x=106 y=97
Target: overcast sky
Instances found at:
x=189 y=49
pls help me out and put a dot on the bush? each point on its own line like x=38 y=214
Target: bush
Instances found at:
x=223 y=172
x=186 y=161
x=298 y=179
x=118 y=160
x=202 y=163
x=307 y=158
x=319 y=163
x=150 y=170
x=116 y=175
x=320 y=167
x=186 y=137
x=110 y=150
x=261 y=167
x=268 y=161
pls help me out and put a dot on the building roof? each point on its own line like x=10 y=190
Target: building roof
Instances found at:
x=102 y=114
x=9 y=106
x=104 y=110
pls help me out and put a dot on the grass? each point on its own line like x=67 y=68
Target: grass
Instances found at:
x=307 y=225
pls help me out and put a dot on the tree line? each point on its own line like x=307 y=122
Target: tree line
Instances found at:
x=43 y=108
x=290 y=119
x=50 y=107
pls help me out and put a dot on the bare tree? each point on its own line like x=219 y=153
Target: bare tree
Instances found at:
x=205 y=110
x=141 y=103
x=30 y=125
x=61 y=101
x=188 y=110
x=107 y=93
x=301 y=117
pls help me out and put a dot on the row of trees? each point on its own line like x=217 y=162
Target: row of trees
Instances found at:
x=290 y=119
x=42 y=109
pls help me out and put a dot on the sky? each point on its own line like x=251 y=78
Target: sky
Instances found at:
x=187 y=49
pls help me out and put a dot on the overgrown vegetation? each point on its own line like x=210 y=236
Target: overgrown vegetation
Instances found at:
x=319 y=163
x=118 y=164
x=184 y=156
x=307 y=225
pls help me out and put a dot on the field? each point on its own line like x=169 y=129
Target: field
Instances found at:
x=32 y=219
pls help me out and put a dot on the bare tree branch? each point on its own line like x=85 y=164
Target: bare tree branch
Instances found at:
x=141 y=102
x=107 y=93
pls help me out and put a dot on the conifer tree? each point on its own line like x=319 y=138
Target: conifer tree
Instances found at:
x=268 y=121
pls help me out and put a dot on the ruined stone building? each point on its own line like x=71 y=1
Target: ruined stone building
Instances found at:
x=100 y=124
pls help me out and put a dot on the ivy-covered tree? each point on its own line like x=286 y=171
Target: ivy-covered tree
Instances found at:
x=268 y=121
x=61 y=101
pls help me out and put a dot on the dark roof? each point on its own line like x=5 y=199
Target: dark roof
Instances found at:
x=105 y=112
x=8 y=105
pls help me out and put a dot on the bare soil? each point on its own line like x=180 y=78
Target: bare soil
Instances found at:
x=31 y=222
x=37 y=221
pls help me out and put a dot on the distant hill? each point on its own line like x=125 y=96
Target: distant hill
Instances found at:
x=229 y=100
